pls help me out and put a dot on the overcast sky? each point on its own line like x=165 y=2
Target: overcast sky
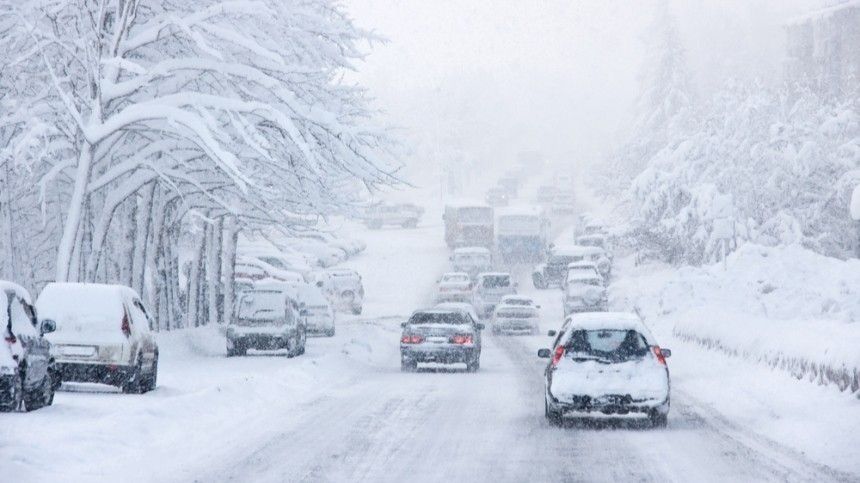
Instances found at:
x=488 y=78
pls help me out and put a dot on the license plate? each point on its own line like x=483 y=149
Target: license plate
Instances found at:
x=78 y=350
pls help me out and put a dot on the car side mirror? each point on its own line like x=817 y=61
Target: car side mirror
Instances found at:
x=544 y=353
x=551 y=333
x=481 y=326
x=47 y=326
x=667 y=353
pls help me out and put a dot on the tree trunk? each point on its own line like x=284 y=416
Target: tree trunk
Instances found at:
x=73 y=215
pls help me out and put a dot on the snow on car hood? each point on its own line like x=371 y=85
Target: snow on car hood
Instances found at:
x=641 y=379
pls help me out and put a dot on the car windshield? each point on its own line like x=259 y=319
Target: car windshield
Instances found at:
x=259 y=306
x=614 y=345
x=496 y=281
x=438 y=318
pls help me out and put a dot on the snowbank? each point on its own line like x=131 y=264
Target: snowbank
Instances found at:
x=786 y=307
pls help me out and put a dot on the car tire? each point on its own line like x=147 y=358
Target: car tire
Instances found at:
x=658 y=419
x=553 y=417
x=408 y=366
x=41 y=396
x=14 y=402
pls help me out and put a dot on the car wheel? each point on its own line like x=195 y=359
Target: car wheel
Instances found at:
x=133 y=383
x=408 y=365
x=658 y=419
x=39 y=397
x=17 y=396
x=552 y=416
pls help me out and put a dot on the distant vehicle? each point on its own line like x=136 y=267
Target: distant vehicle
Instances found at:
x=454 y=287
x=102 y=335
x=584 y=293
x=609 y=364
x=27 y=372
x=405 y=215
x=267 y=318
x=519 y=300
x=564 y=202
x=440 y=336
x=576 y=269
x=472 y=260
x=468 y=224
x=349 y=289
x=489 y=289
x=521 y=233
x=554 y=270
x=497 y=196
x=546 y=194
x=515 y=318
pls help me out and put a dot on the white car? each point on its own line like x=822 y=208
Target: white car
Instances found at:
x=584 y=293
x=489 y=289
x=102 y=335
x=515 y=319
x=348 y=289
x=454 y=287
x=606 y=364
x=472 y=260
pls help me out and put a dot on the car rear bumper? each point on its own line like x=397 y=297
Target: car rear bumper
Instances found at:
x=113 y=374
x=443 y=355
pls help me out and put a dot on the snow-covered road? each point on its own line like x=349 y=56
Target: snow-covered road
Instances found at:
x=345 y=412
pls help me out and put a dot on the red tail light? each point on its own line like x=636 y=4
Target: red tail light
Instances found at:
x=126 y=327
x=462 y=339
x=556 y=357
x=659 y=354
x=411 y=339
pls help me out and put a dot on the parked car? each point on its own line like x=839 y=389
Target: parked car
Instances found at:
x=519 y=300
x=102 y=335
x=27 y=371
x=440 y=336
x=405 y=215
x=607 y=363
x=268 y=317
x=348 y=288
x=489 y=289
x=515 y=319
x=472 y=260
x=584 y=293
x=454 y=287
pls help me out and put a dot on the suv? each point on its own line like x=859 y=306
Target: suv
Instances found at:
x=607 y=363
x=406 y=215
x=489 y=290
x=102 y=335
x=349 y=290
x=27 y=372
x=267 y=318
x=442 y=336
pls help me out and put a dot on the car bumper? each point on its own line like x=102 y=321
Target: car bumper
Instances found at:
x=446 y=355
x=113 y=374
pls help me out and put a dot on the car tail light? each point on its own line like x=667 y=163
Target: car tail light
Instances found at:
x=556 y=357
x=126 y=327
x=659 y=354
x=462 y=339
x=411 y=339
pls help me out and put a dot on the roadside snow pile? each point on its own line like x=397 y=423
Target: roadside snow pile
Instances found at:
x=787 y=307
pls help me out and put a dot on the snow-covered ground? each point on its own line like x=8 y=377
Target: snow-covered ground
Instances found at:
x=345 y=412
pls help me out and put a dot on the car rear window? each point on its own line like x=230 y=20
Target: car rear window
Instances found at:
x=438 y=318
x=607 y=344
x=496 y=281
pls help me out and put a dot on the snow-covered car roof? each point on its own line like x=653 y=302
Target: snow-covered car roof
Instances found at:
x=6 y=286
x=576 y=251
x=471 y=251
x=609 y=321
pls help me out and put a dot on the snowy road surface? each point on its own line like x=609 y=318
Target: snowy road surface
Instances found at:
x=345 y=412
